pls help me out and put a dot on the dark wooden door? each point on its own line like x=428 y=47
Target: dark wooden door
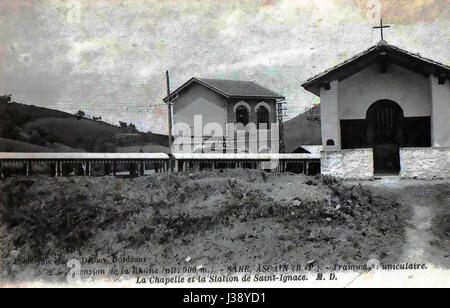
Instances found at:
x=386 y=159
x=385 y=134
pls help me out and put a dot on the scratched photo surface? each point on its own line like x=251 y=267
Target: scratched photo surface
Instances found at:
x=92 y=191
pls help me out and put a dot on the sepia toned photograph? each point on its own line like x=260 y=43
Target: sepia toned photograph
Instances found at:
x=217 y=146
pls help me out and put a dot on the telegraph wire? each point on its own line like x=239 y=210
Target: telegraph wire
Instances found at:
x=147 y=108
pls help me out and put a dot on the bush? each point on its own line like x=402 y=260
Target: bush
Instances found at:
x=66 y=222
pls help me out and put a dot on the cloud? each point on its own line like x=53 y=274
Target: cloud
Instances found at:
x=113 y=61
x=408 y=11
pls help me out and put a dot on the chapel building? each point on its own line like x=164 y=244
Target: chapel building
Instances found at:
x=386 y=111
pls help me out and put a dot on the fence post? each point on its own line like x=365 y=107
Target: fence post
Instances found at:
x=107 y=168
x=52 y=168
x=1 y=169
x=131 y=168
x=28 y=168
x=142 y=168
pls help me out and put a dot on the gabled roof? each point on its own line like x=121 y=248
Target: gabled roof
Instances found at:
x=231 y=88
x=382 y=52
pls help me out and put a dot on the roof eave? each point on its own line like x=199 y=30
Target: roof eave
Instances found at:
x=256 y=97
x=312 y=89
x=189 y=82
x=314 y=84
x=226 y=95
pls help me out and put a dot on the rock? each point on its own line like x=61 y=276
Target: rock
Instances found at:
x=117 y=197
x=188 y=259
x=264 y=176
x=232 y=182
x=14 y=253
x=337 y=207
x=297 y=203
x=373 y=256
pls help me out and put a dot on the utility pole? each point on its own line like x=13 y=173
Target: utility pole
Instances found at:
x=280 y=115
x=169 y=108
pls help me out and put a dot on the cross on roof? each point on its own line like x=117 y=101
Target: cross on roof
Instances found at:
x=381 y=27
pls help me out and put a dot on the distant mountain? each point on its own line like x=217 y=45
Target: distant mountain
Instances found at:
x=46 y=130
x=27 y=128
x=300 y=131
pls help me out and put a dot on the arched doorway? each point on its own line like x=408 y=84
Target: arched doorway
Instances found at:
x=384 y=134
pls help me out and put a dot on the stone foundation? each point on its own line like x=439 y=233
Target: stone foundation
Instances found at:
x=348 y=164
x=425 y=163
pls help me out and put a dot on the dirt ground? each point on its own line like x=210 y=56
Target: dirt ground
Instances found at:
x=428 y=230
x=220 y=219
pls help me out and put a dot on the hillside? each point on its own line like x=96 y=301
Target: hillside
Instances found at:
x=301 y=131
x=8 y=145
x=42 y=129
x=27 y=128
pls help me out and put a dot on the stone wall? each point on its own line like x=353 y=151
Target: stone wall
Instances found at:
x=348 y=164
x=425 y=163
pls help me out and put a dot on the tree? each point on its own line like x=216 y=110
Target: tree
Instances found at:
x=5 y=98
x=80 y=114
x=123 y=125
x=132 y=127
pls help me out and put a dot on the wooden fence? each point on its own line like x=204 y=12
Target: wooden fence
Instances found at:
x=141 y=164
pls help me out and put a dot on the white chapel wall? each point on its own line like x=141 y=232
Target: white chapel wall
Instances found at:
x=440 y=126
x=330 y=126
x=408 y=89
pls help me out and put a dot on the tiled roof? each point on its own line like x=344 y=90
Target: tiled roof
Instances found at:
x=239 y=88
x=232 y=88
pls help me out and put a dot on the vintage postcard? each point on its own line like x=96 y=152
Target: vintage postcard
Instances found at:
x=224 y=144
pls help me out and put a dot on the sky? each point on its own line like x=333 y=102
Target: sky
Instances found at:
x=109 y=57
